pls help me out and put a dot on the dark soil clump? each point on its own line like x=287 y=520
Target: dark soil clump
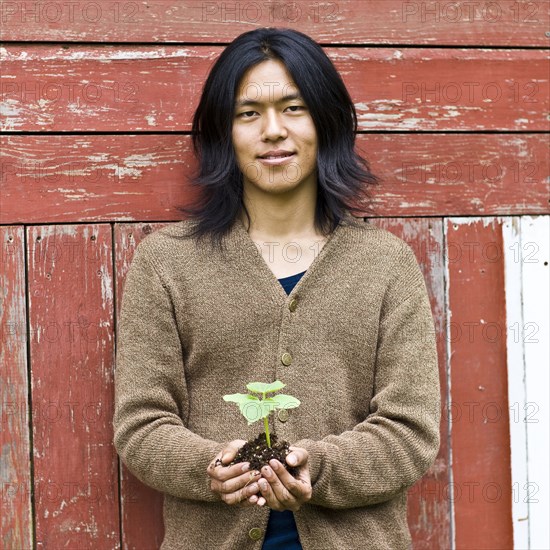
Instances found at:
x=258 y=454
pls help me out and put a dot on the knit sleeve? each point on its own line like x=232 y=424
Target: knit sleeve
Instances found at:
x=398 y=441
x=150 y=391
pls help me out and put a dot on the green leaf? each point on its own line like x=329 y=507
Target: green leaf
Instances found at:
x=254 y=410
x=261 y=387
x=285 y=401
x=251 y=413
x=239 y=398
x=268 y=405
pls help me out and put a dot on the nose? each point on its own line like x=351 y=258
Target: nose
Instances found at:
x=273 y=126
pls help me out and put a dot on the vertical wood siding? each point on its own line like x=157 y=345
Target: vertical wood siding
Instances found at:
x=70 y=278
x=429 y=509
x=511 y=237
x=535 y=247
x=480 y=434
x=96 y=101
x=15 y=469
x=141 y=520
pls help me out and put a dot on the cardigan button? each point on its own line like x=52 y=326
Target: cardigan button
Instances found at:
x=255 y=533
x=283 y=415
x=292 y=304
x=286 y=358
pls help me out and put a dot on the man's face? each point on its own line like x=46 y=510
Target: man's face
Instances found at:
x=272 y=122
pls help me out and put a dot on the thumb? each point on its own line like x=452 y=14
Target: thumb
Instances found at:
x=230 y=451
x=296 y=456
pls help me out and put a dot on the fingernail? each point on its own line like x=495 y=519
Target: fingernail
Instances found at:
x=274 y=464
x=263 y=484
x=292 y=460
x=245 y=467
x=267 y=471
x=225 y=457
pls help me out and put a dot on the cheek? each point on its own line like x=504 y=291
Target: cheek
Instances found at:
x=309 y=137
x=311 y=157
x=312 y=149
x=240 y=143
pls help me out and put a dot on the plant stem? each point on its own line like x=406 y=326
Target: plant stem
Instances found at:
x=266 y=427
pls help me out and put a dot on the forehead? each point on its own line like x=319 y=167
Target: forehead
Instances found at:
x=266 y=82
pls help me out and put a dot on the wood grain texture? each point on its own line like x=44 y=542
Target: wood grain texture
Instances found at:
x=136 y=68
x=480 y=430
x=70 y=280
x=502 y=23
x=428 y=508
x=515 y=364
x=150 y=88
x=15 y=470
x=141 y=523
x=52 y=179
x=535 y=261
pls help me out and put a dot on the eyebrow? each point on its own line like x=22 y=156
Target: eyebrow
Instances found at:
x=252 y=103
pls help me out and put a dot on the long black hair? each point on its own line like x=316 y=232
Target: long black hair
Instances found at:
x=343 y=177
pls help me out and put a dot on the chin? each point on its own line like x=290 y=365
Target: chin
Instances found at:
x=276 y=187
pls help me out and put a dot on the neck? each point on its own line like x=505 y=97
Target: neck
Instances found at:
x=277 y=217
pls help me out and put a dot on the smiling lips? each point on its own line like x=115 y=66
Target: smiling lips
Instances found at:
x=276 y=154
x=275 y=158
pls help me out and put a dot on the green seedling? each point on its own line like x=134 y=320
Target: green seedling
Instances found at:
x=253 y=408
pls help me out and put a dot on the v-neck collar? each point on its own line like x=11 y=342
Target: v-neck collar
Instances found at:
x=249 y=253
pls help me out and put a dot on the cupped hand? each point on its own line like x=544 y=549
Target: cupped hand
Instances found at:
x=233 y=484
x=281 y=490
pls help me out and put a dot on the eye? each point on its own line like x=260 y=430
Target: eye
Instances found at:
x=295 y=107
x=245 y=113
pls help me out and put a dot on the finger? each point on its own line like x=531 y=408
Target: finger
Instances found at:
x=297 y=456
x=277 y=490
x=230 y=452
x=298 y=486
x=240 y=497
x=267 y=494
x=224 y=473
x=249 y=502
x=226 y=455
x=233 y=484
x=215 y=464
x=301 y=457
x=276 y=495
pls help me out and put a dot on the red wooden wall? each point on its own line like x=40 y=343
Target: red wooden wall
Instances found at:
x=96 y=100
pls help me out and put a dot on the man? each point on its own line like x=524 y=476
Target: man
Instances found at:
x=303 y=292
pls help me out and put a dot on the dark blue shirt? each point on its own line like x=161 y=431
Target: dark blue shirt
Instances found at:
x=281 y=532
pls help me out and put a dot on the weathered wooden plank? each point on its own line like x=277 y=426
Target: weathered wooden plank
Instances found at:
x=515 y=349
x=51 y=179
x=135 y=88
x=428 y=506
x=480 y=430
x=70 y=280
x=503 y=23
x=15 y=470
x=142 y=524
x=535 y=255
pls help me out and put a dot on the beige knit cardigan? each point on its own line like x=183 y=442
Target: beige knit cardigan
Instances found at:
x=196 y=325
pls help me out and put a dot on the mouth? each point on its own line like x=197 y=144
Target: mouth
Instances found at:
x=278 y=158
x=281 y=154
